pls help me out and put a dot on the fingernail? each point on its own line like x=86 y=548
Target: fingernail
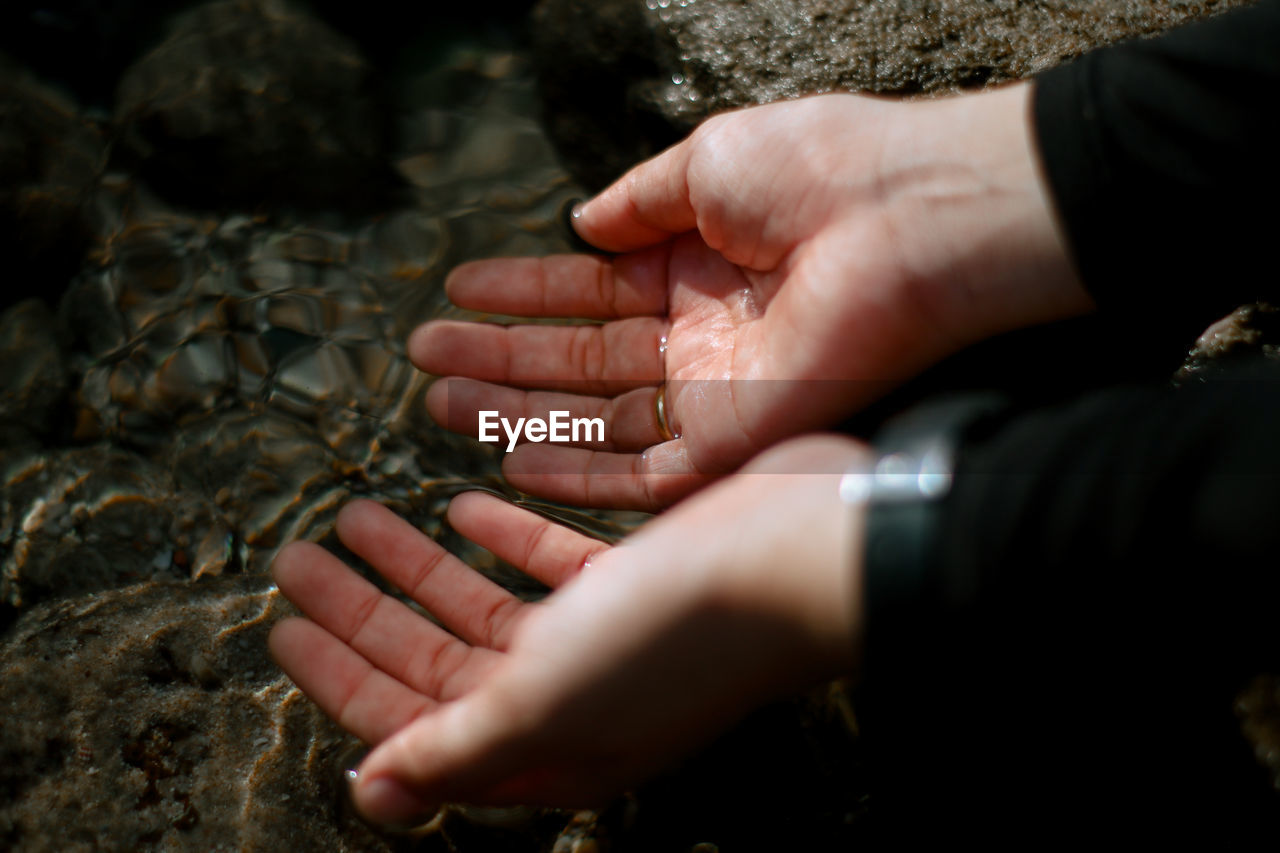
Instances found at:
x=571 y=215
x=386 y=801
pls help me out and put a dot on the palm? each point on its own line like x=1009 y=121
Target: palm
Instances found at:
x=720 y=335
x=663 y=641
x=543 y=675
x=375 y=666
x=367 y=658
x=800 y=257
x=769 y=275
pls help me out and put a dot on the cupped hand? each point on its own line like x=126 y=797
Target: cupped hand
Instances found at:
x=780 y=268
x=641 y=652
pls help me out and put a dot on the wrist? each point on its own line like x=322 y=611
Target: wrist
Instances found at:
x=981 y=236
x=800 y=566
x=902 y=497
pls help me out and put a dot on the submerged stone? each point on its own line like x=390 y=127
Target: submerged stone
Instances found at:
x=34 y=376
x=252 y=102
x=50 y=160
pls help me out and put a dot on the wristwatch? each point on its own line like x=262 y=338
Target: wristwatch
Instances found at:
x=904 y=492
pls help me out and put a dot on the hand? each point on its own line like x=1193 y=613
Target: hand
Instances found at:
x=798 y=259
x=642 y=652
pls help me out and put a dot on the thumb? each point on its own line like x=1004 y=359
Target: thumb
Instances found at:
x=452 y=754
x=647 y=205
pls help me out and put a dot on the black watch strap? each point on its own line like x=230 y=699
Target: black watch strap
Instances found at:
x=905 y=491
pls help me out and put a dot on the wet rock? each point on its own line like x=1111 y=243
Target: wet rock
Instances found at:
x=1245 y=333
x=598 y=64
x=254 y=102
x=50 y=159
x=177 y=733
x=82 y=46
x=272 y=478
x=673 y=62
x=173 y=734
x=483 y=146
x=33 y=373
x=76 y=521
x=1258 y=709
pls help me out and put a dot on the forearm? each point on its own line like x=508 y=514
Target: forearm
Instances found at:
x=973 y=211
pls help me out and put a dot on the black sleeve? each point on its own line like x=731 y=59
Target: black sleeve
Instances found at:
x=1131 y=506
x=1161 y=154
x=1104 y=581
x=1104 y=576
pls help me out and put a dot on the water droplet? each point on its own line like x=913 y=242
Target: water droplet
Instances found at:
x=677 y=78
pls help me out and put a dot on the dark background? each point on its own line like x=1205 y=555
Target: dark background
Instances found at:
x=84 y=45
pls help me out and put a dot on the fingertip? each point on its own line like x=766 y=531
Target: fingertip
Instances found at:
x=282 y=638
x=379 y=788
x=284 y=564
x=353 y=515
x=572 y=216
x=436 y=401
x=418 y=344
x=465 y=505
x=444 y=347
x=646 y=206
x=434 y=347
x=451 y=281
x=468 y=280
x=385 y=800
x=454 y=402
x=350 y=508
x=592 y=223
x=587 y=224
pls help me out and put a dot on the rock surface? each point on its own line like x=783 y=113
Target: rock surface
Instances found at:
x=252 y=101
x=33 y=373
x=50 y=160
x=673 y=62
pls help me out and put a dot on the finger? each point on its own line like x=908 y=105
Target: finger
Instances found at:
x=607 y=359
x=468 y=604
x=647 y=205
x=565 y=285
x=627 y=422
x=452 y=755
x=361 y=698
x=382 y=630
x=492 y=748
x=536 y=545
x=648 y=481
